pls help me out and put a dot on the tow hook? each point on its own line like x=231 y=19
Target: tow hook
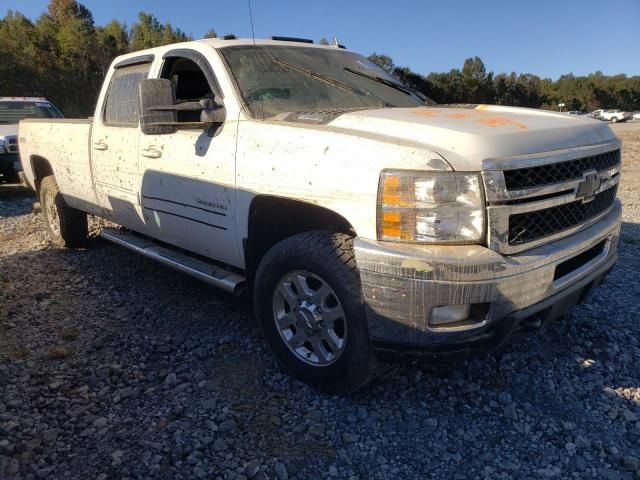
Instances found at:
x=531 y=323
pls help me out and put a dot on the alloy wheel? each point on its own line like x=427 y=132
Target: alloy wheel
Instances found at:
x=310 y=318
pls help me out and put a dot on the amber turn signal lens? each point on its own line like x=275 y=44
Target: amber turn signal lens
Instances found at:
x=430 y=207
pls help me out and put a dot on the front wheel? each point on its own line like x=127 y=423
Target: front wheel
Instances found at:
x=67 y=226
x=614 y=120
x=309 y=304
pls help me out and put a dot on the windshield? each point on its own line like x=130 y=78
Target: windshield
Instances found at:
x=308 y=79
x=12 y=112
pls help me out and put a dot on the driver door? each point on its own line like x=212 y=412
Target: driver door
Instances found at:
x=187 y=190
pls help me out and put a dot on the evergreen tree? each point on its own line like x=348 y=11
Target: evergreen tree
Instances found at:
x=211 y=33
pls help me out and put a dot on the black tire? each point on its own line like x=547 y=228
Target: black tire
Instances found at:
x=614 y=120
x=67 y=226
x=328 y=256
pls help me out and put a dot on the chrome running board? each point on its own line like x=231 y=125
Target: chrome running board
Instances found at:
x=213 y=274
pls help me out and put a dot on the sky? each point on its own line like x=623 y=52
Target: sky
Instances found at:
x=544 y=37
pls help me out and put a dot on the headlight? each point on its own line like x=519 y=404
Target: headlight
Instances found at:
x=430 y=207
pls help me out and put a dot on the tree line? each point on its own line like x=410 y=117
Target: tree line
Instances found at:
x=473 y=84
x=64 y=56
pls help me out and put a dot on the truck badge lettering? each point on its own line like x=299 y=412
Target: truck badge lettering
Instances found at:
x=210 y=204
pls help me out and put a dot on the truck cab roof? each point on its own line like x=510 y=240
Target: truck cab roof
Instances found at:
x=217 y=43
x=23 y=99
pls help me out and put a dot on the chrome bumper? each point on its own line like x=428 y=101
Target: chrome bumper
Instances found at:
x=402 y=283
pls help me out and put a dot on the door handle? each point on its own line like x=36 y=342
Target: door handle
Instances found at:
x=100 y=145
x=151 y=152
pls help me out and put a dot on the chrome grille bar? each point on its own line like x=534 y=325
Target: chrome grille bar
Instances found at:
x=502 y=202
x=532 y=177
x=12 y=144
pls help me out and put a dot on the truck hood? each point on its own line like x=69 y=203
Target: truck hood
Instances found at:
x=465 y=135
x=6 y=130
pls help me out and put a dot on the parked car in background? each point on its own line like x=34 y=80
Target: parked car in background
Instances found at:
x=636 y=116
x=12 y=110
x=614 y=116
x=576 y=112
x=595 y=113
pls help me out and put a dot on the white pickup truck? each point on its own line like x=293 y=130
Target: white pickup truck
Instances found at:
x=365 y=223
x=12 y=110
x=614 y=116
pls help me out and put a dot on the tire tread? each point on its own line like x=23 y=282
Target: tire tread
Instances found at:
x=336 y=252
x=73 y=223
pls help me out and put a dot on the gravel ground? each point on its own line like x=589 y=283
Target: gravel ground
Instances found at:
x=112 y=366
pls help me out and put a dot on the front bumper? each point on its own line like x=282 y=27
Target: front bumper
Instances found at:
x=402 y=283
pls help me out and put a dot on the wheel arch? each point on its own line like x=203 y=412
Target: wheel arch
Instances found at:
x=41 y=168
x=273 y=219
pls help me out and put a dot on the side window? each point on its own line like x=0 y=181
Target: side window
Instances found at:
x=121 y=105
x=190 y=84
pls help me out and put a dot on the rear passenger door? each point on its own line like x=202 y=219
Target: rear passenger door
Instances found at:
x=114 y=144
x=187 y=178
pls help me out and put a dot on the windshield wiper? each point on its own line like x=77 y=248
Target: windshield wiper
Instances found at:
x=317 y=75
x=389 y=83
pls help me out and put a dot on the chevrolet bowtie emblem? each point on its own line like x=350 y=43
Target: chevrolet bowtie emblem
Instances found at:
x=588 y=187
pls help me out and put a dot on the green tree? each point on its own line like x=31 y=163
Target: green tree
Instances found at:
x=64 y=56
x=476 y=83
x=383 y=61
x=19 y=55
x=148 y=32
x=77 y=43
x=112 y=40
x=211 y=33
x=171 y=35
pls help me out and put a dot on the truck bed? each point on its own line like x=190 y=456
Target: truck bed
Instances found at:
x=64 y=143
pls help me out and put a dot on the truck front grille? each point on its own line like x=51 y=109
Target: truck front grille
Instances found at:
x=12 y=144
x=542 y=175
x=530 y=226
x=537 y=199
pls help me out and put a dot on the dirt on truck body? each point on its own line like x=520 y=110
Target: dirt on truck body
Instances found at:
x=232 y=160
x=113 y=366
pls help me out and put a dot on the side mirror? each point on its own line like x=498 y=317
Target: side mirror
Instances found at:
x=212 y=112
x=157 y=106
x=159 y=111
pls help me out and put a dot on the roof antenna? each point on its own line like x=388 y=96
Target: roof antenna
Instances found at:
x=255 y=58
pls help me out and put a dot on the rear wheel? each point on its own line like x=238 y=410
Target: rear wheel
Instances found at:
x=67 y=226
x=614 y=120
x=309 y=304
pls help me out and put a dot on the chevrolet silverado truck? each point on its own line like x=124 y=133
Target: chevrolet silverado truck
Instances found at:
x=12 y=110
x=365 y=221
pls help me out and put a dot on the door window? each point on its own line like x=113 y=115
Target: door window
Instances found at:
x=121 y=105
x=191 y=85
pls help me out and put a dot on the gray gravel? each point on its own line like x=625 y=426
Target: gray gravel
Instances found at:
x=114 y=367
